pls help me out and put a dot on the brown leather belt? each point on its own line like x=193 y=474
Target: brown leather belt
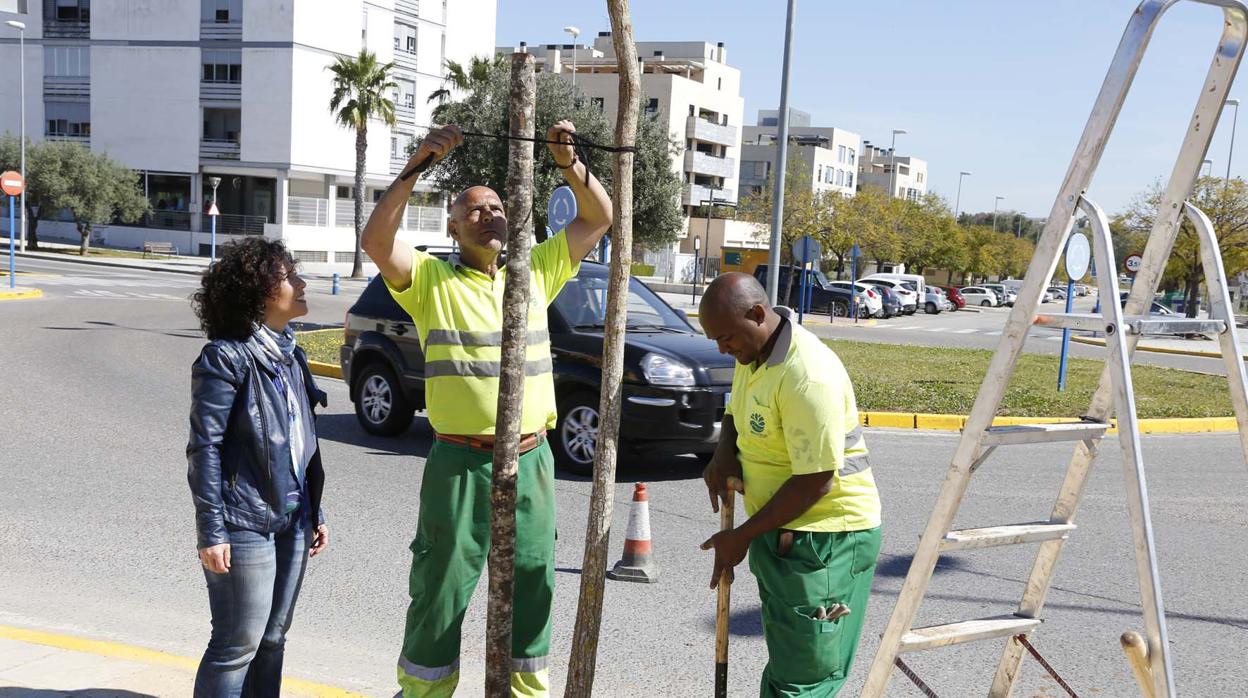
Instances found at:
x=528 y=442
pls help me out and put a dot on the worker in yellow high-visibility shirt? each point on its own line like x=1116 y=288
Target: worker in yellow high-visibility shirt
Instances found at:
x=457 y=307
x=791 y=433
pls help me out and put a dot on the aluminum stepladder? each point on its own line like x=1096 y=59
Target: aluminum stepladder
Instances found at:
x=1122 y=326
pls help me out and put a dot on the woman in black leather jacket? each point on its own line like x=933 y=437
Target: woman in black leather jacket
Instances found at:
x=254 y=464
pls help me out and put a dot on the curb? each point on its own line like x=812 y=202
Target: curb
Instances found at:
x=20 y=293
x=1156 y=350
x=130 y=653
x=53 y=257
x=953 y=422
x=320 y=368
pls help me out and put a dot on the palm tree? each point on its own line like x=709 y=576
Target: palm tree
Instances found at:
x=360 y=87
x=466 y=80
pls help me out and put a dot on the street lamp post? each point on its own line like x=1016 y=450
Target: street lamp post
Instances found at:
x=995 y=201
x=574 y=32
x=1018 y=232
x=697 y=248
x=957 y=205
x=1231 y=151
x=892 y=163
x=212 y=213
x=782 y=154
x=21 y=42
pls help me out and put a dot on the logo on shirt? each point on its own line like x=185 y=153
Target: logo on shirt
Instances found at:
x=757 y=423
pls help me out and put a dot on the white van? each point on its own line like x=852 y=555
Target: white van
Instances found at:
x=915 y=280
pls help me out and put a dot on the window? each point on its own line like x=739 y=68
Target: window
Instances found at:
x=819 y=176
x=67 y=61
x=221 y=11
x=404 y=38
x=840 y=153
x=719 y=83
x=851 y=156
x=652 y=107
x=394 y=147
x=919 y=177
x=405 y=93
x=223 y=66
x=849 y=179
x=222 y=124
x=68 y=118
x=840 y=178
x=73 y=10
x=598 y=103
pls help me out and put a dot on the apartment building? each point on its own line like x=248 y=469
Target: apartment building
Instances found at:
x=187 y=91
x=875 y=169
x=829 y=155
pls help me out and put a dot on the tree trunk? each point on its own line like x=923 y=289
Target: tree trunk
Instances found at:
x=85 y=232
x=1190 y=296
x=598 y=532
x=32 y=226
x=840 y=266
x=502 y=557
x=361 y=148
x=949 y=280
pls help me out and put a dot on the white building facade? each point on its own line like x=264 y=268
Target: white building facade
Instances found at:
x=187 y=90
x=875 y=169
x=829 y=155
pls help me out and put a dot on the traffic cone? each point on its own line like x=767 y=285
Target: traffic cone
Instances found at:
x=637 y=564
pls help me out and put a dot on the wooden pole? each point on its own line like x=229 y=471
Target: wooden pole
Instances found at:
x=502 y=559
x=598 y=532
x=723 y=605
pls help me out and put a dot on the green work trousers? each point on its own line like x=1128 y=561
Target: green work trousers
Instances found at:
x=809 y=657
x=448 y=553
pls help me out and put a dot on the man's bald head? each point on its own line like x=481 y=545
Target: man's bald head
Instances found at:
x=734 y=293
x=469 y=196
x=736 y=314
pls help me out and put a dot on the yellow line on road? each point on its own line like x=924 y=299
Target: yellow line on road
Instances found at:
x=142 y=655
x=19 y=293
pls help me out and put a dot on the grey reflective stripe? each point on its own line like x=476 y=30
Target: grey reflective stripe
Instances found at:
x=481 y=369
x=855 y=464
x=528 y=665
x=852 y=436
x=427 y=673
x=466 y=338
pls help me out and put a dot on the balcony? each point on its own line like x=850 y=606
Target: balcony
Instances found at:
x=703 y=163
x=219 y=149
x=84 y=141
x=404 y=113
x=695 y=194
x=220 y=91
x=410 y=8
x=425 y=219
x=703 y=130
x=234 y=224
x=67 y=29
x=397 y=163
x=405 y=60
x=59 y=87
x=221 y=31
x=307 y=210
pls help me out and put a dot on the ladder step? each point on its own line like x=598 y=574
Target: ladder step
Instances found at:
x=1133 y=324
x=966 y=631
x=1011 y=534
x=1043 y=433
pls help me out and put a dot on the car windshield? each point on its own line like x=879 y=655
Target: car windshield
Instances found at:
x=583 y=304
x=910 y=286
x=823 y=280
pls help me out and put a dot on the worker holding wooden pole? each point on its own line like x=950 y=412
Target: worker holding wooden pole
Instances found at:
x=813 y=532
x=458 y=308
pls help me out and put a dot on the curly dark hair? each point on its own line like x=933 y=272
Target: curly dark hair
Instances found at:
x=234 y=289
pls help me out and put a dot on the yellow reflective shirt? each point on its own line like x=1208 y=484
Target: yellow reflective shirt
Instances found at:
x=796 y=415
x=458 y=313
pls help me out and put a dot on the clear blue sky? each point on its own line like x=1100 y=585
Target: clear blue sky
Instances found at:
x=1001 y=89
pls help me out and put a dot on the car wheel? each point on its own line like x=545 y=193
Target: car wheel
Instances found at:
x=985 y=303
x=576 y=433
x=931 y=308
x=380 y=404
x=840 y=309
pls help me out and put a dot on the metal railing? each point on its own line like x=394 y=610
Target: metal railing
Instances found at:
x=426 y=219
x=66 y=29
x=221 y=31
x=344 y=212
x=219 y=149
x=64 y=86
x=307 y=210
x=695 y=194
x=226 y=91
x=234 y=224
x=166 y=220
x=703 y=130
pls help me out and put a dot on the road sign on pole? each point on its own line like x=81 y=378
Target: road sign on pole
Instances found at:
x=1133 y=262
x=12 y=183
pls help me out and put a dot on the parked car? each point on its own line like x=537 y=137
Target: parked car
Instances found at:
x=1083 y=289
x=824 y=298
x=1004 y=295
x=874 y=301
x=1155 y=309
x=909 y=299
x=977 y=295
x=1058 y=292
x=915 y=282
x=954 y=297
x=933 y=302
x=892 y=301
x=675 y=384
x=945 y=303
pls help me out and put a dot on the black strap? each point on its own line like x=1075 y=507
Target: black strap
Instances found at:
x=580 y=145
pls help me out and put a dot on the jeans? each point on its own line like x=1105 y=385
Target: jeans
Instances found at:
x=252 y=607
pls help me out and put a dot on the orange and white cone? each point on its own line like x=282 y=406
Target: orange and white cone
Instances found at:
x=637 y=564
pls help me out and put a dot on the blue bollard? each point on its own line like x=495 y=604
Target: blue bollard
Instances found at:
x=334 y=289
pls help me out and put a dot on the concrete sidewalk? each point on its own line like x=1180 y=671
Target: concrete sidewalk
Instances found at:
x=40 y=664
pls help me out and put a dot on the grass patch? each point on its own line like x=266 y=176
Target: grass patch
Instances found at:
x=904 y=378
x=101 y=252
x=321 y=345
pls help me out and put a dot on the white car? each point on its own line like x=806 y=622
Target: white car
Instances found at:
x=909 y=299
x=977 y=295
x=875 y=301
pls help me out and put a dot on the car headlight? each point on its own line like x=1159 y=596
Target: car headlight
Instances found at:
x=662 y=370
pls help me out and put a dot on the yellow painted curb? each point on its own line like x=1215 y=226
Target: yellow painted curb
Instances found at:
x=953 y=422
x=141 y=655
x=20 y=293
x=320 y=368
x=1156 y=350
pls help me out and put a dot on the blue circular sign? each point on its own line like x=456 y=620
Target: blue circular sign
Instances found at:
x=561 y=209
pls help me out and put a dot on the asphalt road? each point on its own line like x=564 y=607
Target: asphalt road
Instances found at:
x=99 y=537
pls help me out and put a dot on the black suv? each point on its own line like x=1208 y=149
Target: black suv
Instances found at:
x=676 y=382
x=824 y=297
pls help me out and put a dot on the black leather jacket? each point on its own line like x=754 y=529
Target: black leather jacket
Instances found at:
x=238 y=455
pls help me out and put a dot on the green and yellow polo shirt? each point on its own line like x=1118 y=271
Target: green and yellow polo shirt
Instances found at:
x=796 y=415
x=458 y=312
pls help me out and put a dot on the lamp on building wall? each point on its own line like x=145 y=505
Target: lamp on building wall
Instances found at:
x=574 y=32
x=21 y=42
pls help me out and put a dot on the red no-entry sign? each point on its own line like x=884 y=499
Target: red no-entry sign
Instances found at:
x=12 y=183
